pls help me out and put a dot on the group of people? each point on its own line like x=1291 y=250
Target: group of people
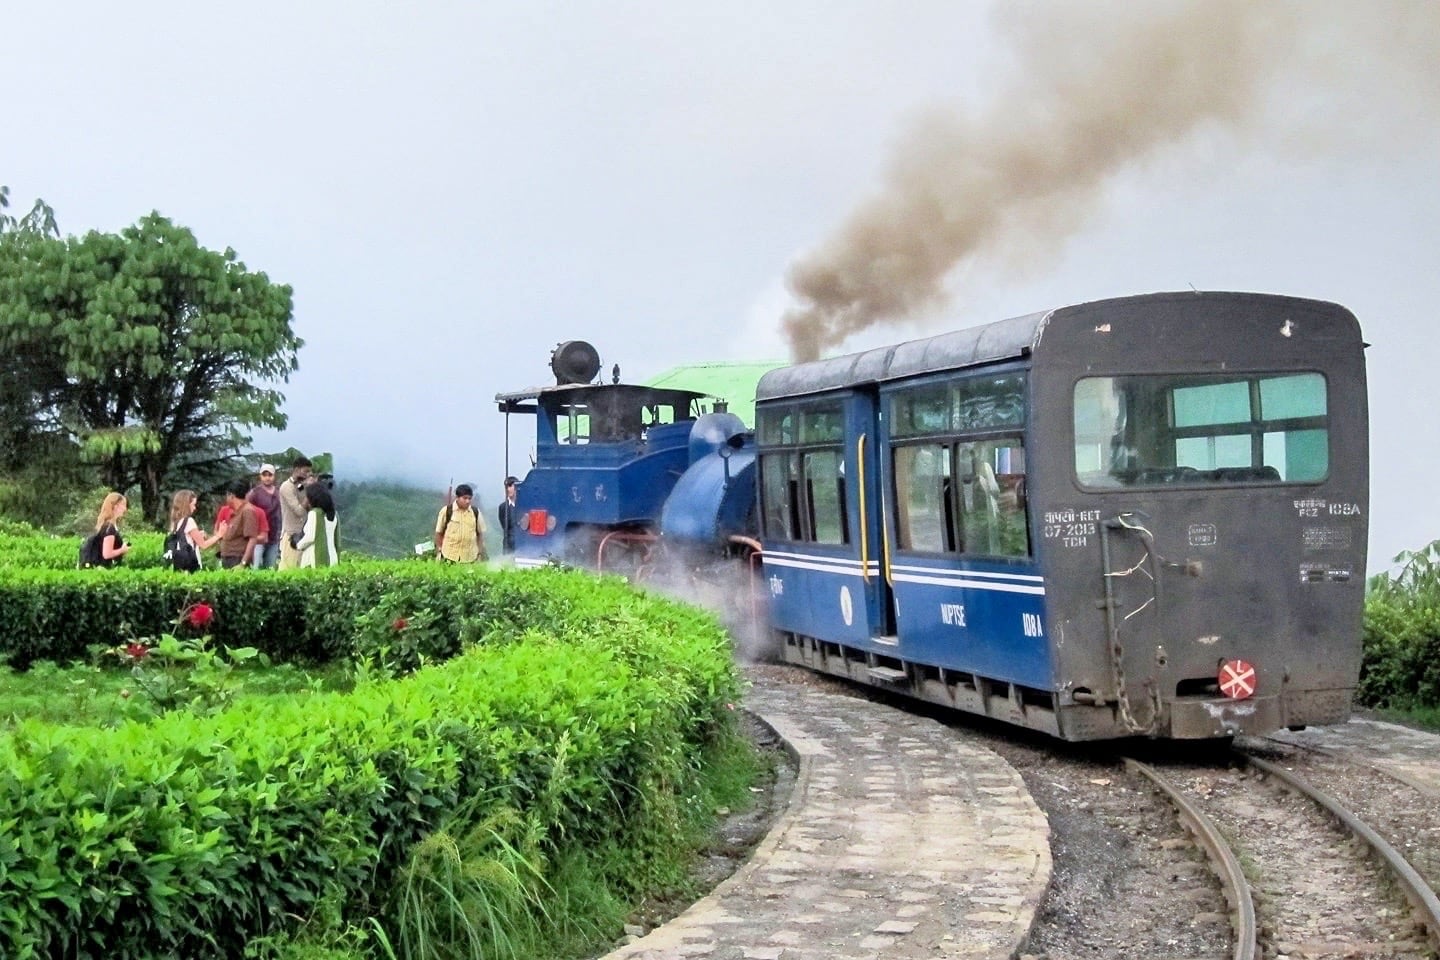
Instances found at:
x=269 y=525
x=460 y=529
x=292 y=524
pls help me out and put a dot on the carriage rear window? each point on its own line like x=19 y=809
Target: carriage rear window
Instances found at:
x=1212 y=431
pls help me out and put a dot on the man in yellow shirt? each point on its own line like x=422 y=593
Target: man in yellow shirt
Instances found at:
x=460 y=530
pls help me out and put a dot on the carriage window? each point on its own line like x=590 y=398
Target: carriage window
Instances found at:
x=822 y=425
x=964 y=498
x=983 y=403
x=778 y=479
x=777 y=426
x=992 y=498
x=975 y=403
x=825 y=496
x=924 y=502
x=803 y=487
x=922 y=411
x=1188 y=430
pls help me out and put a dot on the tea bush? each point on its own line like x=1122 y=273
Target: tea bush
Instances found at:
x=300 y=615
x=1401 y=666
x=32 y=550
x=579 y=706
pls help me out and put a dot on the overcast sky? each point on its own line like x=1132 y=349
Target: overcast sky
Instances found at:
x=454 y=188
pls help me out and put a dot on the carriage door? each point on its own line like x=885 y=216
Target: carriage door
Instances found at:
x=867 y=454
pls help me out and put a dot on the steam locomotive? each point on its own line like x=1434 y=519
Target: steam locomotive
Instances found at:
x=1144 y=516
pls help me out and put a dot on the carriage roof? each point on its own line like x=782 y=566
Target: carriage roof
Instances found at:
x=1002 y=340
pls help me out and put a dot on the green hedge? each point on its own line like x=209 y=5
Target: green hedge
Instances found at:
x=37 y=551
x=298 y=615
x=194 y=836
x=1401 y=666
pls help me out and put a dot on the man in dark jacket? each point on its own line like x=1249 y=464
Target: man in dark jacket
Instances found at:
x=509 y=516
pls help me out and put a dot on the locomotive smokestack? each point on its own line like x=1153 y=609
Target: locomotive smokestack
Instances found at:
x=1098 y=88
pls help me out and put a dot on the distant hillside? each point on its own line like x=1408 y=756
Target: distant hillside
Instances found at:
x=383 y=518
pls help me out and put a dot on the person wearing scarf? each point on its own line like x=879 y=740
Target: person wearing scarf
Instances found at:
x=316 y=543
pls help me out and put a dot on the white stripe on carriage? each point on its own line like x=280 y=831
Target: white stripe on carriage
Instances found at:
x=849 y=565
x=940 y=571
x=972 y=584
x=851 y=568
x=790 y=559
x=846 y=570
x=815 y=556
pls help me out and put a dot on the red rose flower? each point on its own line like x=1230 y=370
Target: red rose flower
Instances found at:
x=400 y=623
x=136 y=651
x=200 y=616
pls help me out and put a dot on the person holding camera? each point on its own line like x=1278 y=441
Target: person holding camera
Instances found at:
x=292 y=511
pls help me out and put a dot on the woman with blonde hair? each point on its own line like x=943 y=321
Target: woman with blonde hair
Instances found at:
x=182 y=521
x=107 y=530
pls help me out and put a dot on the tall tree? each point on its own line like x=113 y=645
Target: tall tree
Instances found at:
x=152 y=351
x=27 y=434
x=39 y=221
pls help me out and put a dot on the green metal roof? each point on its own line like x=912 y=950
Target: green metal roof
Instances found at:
x=733 y=382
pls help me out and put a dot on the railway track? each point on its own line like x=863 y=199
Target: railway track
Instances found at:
x=1303 y=875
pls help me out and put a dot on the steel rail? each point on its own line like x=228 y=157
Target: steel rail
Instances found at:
x=1417 y=891
x=1227 y=868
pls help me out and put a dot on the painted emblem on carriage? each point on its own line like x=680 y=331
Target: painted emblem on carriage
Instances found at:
x=847 y=608
x=777 y=586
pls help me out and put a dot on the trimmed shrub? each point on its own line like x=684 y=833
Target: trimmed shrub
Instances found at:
x=1401 y=666
x=300 y=615
x=579 y=708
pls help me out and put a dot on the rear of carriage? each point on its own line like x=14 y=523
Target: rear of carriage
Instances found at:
x=1199 y=501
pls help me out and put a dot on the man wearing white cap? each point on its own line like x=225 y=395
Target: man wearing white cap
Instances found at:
x=265 y=496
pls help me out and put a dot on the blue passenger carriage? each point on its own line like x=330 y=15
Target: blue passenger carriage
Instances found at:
x=1141 y=516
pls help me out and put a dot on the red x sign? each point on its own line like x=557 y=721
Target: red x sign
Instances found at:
x=1237 y=679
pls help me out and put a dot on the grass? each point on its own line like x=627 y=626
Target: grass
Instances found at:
x=488 y=890
x=1426 y=718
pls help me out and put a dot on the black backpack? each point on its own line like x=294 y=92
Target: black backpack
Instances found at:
x=90 y=552
x=179 y=553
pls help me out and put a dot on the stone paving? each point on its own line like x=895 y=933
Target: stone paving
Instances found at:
x=1411 y=756
x=901 y=840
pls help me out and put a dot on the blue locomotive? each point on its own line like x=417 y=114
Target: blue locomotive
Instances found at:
x=1140 y=516
x=622 y=468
